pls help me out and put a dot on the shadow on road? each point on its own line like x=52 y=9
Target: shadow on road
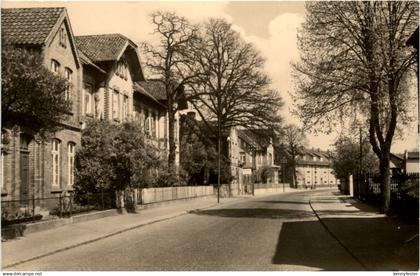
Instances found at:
x=256 y=213
x=305 y=243
x=377 y=243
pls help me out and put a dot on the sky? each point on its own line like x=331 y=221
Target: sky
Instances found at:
x=271 y=26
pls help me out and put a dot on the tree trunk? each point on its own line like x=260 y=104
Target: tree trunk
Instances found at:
x=171 y=138
x=385 y=183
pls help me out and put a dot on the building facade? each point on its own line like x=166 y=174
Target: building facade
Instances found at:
x=107 y=83
x=33 y=167
x=251 y=157
x=313 y=169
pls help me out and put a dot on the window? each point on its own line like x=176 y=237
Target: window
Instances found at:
x=63 y=36
x=70 y=163
x=55 y=151
x=146 y=122
x=55 y=66
x=242 y=157
x=89 y=103
x=122 y=69
x=68 y=74
x=270 y=159
x=153 y=126
x=125 y=107
x=115 y=105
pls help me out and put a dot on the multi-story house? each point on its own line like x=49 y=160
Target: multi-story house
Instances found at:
x=107 y=83
x=31 y=167
x=117 y=90
x=313 y=169
x=251 y=151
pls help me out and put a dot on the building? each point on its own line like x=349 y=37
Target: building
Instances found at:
x=313 y=169
x=107 y=84
x=407 y=162
x=251 y=157
x=31 y=167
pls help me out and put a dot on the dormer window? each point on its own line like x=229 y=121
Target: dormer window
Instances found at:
x=63 y=37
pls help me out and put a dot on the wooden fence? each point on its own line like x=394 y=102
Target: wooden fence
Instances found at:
x=152 y=195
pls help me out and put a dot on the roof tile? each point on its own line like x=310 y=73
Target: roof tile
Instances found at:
x=104 y=47
x=28 y=25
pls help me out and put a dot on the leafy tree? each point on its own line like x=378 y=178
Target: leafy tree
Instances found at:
x=115 y=158
x=93 y=166
x=32 y=96
x=354 y=59
x=346 y=157
x=166 y=59
x=230 y=87
x=132 y=157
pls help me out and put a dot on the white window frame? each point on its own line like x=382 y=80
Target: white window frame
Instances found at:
x=88 y=94
x=115 y=104
x=125 y=107
x=68 y=74
x=71 y=149
x=55 y=66
x=56 y=168
x=63 y=36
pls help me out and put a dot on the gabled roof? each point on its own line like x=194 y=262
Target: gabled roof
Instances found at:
x=34 y=27
x=87 y=61
x=155 y=88
x=258 y=138
x=110 y=47
x=144 y=92
x=103 y=47
x=28 y=26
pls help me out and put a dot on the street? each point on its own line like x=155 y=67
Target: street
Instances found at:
x=277 y=232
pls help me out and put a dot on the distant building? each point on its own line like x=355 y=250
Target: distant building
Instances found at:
x=407 y=162
x=250 y=152
x=313 y=168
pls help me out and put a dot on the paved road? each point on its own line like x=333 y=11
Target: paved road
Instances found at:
x=267 y=233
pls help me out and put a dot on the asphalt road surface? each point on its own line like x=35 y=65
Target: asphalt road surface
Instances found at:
x=278 y=232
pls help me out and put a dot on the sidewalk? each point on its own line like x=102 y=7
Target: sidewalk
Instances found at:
x=44 y=243
x=378 y=242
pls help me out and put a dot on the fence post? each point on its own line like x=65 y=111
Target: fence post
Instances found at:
x=87 y=197
x=33 y=207
x=351 y=191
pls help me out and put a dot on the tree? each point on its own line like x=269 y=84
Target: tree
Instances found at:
x=167 y=59
x=93 y=166
x=230 y=88
x=115 y=158
x=346 y=157
x=32 y=96
x=354 y=60
x=293 y=139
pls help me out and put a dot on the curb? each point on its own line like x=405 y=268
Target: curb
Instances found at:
x=336 y=238
x=179 y=214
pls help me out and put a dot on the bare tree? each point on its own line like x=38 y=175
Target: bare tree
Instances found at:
x=167 y=60
x=354 y=59
x=231 y=88
x=293 y=139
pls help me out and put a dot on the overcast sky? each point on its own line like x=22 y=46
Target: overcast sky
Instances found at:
x=271 y=26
